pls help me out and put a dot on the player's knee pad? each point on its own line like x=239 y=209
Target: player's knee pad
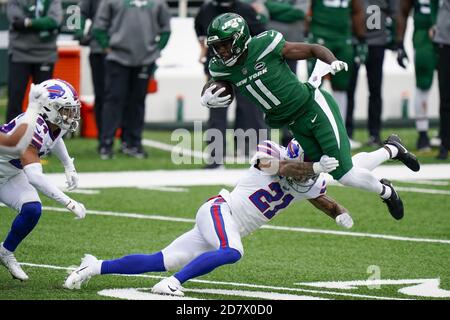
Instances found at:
x=176 y=260
x=31 y=211
x=230 y=255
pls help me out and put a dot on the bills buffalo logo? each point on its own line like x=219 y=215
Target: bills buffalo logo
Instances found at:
x=55 y=91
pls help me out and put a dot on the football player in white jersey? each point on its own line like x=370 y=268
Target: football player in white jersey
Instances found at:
x=262 y=193
x=16 y=143
x=21 y=176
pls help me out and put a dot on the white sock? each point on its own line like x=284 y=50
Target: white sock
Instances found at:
x=421 y=108
x=371 y=160
x=97 y=268
x=393 y=149
x=341 y=99
x=386 y=193
x=362 y=178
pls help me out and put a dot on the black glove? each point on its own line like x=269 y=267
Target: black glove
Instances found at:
x=402 y=57
x=18 y=24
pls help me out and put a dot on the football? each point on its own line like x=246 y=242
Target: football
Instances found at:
x=220 y=84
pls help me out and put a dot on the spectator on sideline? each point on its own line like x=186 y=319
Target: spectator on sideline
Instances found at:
x=32 y=46
x=133 y=34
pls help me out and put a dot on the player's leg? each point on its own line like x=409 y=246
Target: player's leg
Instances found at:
x=219 y=230
x=18 y=194
x=17 y=85
x=425 y=64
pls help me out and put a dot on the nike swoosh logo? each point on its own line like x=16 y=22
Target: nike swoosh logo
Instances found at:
x=78 y=271
x=314 y=119
x=172 y=289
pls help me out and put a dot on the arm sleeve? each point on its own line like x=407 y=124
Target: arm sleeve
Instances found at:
x=102 y=23
x=14 y=11
x=38 y=180
x=52 y=20
x=60 y=150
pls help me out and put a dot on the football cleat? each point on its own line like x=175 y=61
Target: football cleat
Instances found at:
x=403 y=155
x=83 y=273
x=169 y=286
x=394 y=203
x=9 y=261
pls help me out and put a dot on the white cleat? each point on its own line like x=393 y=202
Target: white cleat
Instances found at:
x=169 y=286
x=83 y=273
x=9 y=261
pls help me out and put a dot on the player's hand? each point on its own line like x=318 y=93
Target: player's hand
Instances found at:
x=38 y=97
x=326 y=164
x=77 y=208
x=402 y=57
x=344 y=220
x=212 y=100
x=337 y=66
x=71 y=176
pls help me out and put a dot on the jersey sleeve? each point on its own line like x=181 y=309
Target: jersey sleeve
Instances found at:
x=270 y=43
x=217 y=70
x=40 y=131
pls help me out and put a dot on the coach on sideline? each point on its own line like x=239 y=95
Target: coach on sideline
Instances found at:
x=132 y=33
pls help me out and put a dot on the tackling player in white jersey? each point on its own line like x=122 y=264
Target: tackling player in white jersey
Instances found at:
x=261 y=194
x=21 y=176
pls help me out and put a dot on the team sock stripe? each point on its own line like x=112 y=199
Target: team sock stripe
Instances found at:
x=219 y=224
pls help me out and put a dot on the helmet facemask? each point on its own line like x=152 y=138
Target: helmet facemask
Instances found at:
x=65 y=117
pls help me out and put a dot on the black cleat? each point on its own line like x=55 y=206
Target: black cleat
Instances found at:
x=423 y=142
x=394 y=203
x=403 y=155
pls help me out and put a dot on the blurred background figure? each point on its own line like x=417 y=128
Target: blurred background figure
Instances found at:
x=379 y=36
x=425 y=61
x=97 y=54
x=133 y=33
x=288 y=18
x=248 y=116
x=441 y=36
x=332 y=24
x=32 y=46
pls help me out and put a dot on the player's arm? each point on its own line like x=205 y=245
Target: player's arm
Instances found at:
x=296 y=169
x=333 y=209
x=402 y=18
x=61 y=153
x=358 y=19
x=18 y=141
x=33 y=170
x=302 y=51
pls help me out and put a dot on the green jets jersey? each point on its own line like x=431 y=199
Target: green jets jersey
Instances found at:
x=266 y=79
x=331 y=19
x=422 y=14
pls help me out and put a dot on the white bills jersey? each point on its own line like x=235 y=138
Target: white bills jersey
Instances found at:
x=259 y=197
x=43 y=139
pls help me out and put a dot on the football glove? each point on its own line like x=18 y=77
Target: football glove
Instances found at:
x=212 y=100
x=402 y=57
x=326 y=164
x=344 y=220
x=37 y=98
x=77 y=208
x=71 y=176
x=337 y=66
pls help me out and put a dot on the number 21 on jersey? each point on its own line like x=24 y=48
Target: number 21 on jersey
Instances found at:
x=263 y=200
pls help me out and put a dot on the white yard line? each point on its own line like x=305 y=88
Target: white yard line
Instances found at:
x=269 y=227
x=235 y=284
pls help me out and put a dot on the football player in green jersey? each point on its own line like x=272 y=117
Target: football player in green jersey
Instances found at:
x=257 y=68
x=425 y=60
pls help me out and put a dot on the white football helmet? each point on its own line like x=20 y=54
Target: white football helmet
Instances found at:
x=294 y=151
x=63 y=107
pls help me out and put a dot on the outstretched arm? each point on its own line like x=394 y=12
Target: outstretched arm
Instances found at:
x=333 y=209
x=301 y=51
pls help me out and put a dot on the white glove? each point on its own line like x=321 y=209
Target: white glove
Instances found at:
x=344 y=220
x=337 y=66
x=37 y=98
x=77 y=208
x=326 y=164
x=71 y=176
x=212 y=100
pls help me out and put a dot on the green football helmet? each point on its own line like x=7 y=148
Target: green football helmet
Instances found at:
x=229 y=31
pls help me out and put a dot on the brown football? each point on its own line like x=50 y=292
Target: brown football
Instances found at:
x=220 y=84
